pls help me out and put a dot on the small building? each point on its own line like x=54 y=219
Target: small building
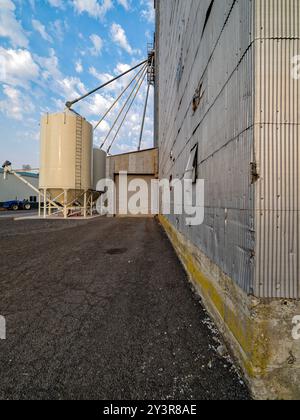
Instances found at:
x=13 y=189
x=141 y=165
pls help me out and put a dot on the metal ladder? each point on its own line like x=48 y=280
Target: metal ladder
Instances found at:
x=78 y=154
x=151 y=64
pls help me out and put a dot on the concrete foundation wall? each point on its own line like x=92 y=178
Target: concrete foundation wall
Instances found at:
x=258 y=332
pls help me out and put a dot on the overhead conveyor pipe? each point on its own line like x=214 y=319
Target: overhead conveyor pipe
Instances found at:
x=141 y=77
x=127 y=112
x=71 y=103
x=145 y=110
x=119 y=97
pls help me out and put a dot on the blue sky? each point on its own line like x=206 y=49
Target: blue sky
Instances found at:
x=52 y=51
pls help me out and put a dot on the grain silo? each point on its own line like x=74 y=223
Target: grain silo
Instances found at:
x=99 y=166
x=66 y=169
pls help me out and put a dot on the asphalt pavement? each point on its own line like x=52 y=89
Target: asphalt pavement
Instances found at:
x=13 y=214
x=103 y=309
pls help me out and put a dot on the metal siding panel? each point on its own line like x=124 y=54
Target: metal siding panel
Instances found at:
x=222 y=126
x=277 y=25
x=277 y=19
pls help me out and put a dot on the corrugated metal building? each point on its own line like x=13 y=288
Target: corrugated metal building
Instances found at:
x=14 y=189
x=224 y=83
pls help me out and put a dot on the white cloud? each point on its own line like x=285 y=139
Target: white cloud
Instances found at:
x=149 y=36
x=103 y=78
x=66 y=87
x=57 y=3
x=93 y=7
x=125 y=4
x=102 y=129
x=15 y=105
x=121 y=68
x=124 y=148
x=70 y=88
x=78 y=66
x=58 y=28
x=117 y=86
x=119 y=37
x=148 y=12
x=10 y=27
x=18 y=67
x=97 y=44
x=32 y=4
x=40 y=28
x=97 y=105
x=50 y=66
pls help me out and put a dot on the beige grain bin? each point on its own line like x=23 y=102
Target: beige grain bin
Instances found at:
x=99 y=166
x=66 y=166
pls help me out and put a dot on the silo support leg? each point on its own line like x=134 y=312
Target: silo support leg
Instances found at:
x=45 y=204
x=91 y=198
x=65 y=204
x=85 y=205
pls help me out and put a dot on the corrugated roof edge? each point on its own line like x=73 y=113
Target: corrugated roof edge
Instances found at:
x=133 y=152
x=27 y=174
